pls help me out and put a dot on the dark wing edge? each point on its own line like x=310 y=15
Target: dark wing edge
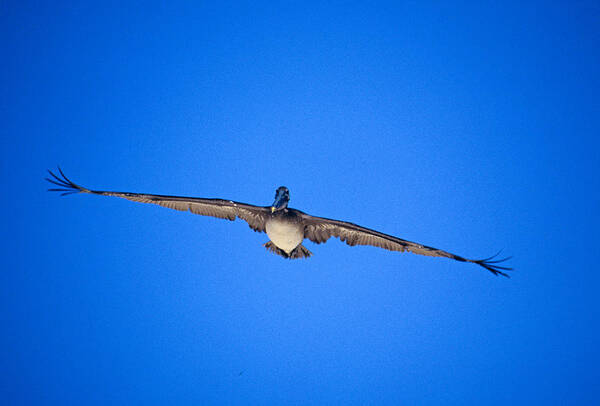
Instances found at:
x=320 y=229
x=255 y=216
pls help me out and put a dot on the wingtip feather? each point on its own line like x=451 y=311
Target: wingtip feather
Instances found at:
x=64 y=183
x=492 y=266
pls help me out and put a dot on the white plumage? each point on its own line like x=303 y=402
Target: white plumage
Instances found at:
x=285 y=236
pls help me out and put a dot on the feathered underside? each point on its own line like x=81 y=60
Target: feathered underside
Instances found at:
x=255 y=216
x=319 y=230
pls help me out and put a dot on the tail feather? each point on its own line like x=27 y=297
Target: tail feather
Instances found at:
x=299 y=252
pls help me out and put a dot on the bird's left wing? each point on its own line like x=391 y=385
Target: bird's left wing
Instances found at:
x=255 y=216
x=319 y=230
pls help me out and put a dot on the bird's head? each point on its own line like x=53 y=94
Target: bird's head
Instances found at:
x=282 y=197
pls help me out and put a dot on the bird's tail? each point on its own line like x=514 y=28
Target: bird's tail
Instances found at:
x=299 y=252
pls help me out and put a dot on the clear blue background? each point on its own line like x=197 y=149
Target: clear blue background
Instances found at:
x=468 y=127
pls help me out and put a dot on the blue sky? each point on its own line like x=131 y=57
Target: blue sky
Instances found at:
x=468 y=127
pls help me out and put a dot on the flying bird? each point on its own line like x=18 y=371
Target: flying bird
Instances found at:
x=286 y=227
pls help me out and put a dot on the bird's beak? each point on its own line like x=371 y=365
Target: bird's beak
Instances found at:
x=272 y=209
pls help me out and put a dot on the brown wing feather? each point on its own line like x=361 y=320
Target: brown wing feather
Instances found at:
x=255 y=216
x=319 y=230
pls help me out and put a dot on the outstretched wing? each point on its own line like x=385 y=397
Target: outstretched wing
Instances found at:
x=255 y=216
x=319 y=230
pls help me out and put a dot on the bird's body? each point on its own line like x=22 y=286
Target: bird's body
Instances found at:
x=286 y=227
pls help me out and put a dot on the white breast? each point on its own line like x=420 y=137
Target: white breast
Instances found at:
x=284 y=235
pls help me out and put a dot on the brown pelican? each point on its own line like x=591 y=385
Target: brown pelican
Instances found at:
x=286 y=227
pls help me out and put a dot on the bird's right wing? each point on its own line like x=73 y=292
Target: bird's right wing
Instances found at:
x=320 y=229
x=255 y=216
